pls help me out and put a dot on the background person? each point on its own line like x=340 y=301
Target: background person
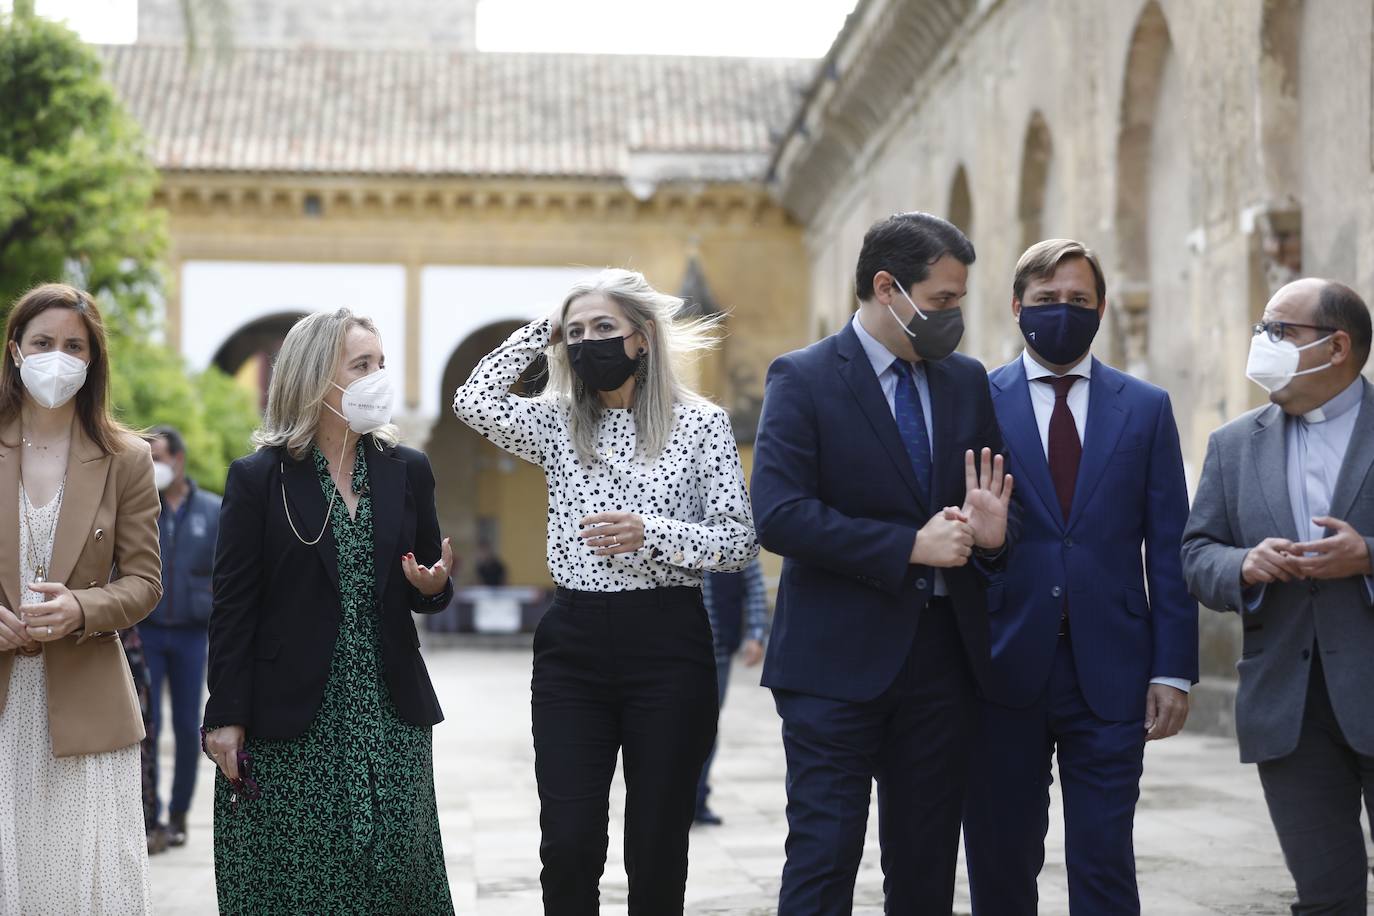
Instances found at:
x=175 y=636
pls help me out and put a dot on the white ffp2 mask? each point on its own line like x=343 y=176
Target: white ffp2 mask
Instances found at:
x=1273 y=365
x=367 y=402
x=52 y=378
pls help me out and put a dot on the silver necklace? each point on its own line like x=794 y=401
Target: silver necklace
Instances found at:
x=40 y=567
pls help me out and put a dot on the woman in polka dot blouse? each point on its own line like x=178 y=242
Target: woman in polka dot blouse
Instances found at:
x=646 y=493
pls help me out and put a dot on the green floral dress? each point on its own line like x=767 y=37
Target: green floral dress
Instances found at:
x=346 y=822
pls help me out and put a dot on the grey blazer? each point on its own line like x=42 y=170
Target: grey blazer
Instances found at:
x=1242 y=499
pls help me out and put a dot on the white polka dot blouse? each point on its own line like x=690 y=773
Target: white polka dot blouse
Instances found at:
x=691 y=497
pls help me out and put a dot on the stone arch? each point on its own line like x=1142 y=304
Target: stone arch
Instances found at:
x=1037 y=157
x=1276 y=241
x=960 y=208
x=1151 y=207
x=253 y=348
x=485 y=492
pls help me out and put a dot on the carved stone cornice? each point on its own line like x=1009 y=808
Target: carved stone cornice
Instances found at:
x=324 y=200
x=885 y=47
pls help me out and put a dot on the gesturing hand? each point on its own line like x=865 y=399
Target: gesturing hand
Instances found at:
x=988 y=494
x=429 y=580
x=944 y=541
x=1341 y=555
x=609 y=533
x=55 y=618
x=1271 y=560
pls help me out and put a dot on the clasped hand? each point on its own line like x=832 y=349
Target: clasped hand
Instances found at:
x=1339 y=556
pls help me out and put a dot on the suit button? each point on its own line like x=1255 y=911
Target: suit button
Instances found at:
x=100 y=534
x=1056 y=592
x=1068 y=542
x=1306 y=654
x=921 y=584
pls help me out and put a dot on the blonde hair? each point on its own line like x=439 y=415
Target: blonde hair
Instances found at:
x=304 y=369
x=1043 y=258
x=671 y=341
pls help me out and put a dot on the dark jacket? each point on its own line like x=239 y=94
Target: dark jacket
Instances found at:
x=186 y=538
x=276 y=600
x=834 y=493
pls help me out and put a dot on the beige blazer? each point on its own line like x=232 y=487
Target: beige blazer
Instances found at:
x=105 y=550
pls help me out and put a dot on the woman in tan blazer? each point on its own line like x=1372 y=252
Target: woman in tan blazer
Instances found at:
x=78 y=562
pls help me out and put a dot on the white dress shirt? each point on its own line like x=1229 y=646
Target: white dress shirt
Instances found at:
x=882 y=359
x=691 y=496
x=1042 y=402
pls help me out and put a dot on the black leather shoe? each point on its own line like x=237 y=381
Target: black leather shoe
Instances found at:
x=157 y=840
x=708 y=817
x=176 y=830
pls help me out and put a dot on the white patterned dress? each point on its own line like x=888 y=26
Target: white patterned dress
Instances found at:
x=71 y=828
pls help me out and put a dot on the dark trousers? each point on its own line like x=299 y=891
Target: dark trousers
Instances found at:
x=1006 y=812
x=176 y=656
x=914 y=740
x=1314 y=796
x=629 y=673
x=722 y=684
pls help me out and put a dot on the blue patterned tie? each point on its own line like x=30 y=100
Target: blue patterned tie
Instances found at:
x=911 y=423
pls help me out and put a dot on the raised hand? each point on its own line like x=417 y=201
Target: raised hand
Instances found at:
x=429 y=580
x=987 y=496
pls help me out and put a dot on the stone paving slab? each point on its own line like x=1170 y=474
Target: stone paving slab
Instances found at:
x=1203 y=838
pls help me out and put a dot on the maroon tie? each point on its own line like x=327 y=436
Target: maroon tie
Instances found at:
x=1065 y=446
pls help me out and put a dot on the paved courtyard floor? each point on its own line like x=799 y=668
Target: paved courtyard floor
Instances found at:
x=1203 y=839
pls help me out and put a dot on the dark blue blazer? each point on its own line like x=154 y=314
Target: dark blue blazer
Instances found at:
x=835 y=495
x=1131 y=492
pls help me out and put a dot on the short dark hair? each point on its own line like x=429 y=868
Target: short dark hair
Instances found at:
x=1339 y=306
x=905 y=245
x=172 y=436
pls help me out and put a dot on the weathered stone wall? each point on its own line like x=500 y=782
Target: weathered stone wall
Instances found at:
x=1208 y=151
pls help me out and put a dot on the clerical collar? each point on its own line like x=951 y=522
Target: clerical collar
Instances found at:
x=1346 y=401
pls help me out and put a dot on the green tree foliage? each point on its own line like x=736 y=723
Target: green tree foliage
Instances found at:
x=215 y=415
x=76 y=206
x=75 y=185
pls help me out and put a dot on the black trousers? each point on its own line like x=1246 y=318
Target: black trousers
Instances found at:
x=1314 y=796
x=629 y=673
x=913 y=739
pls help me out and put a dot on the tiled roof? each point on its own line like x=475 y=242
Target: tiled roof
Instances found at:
x=454 y=113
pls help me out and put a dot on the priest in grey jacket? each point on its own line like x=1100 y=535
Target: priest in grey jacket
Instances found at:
x=1280 y=533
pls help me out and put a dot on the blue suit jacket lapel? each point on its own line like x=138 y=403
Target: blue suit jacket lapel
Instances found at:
x=857 y=373
x=1017 y=415
x=1107 y=416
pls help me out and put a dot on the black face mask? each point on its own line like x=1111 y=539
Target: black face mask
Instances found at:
x=602 y=364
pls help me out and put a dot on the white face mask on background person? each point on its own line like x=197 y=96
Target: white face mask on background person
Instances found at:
x=1273 y=365
x=163 y=475
x=366 y=403
x=52 y=378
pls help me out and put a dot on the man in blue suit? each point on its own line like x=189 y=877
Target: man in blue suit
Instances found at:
x=1093 y=648
x=865 y=482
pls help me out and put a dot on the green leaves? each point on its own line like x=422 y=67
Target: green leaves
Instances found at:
x=76 y=190
x=75 y=184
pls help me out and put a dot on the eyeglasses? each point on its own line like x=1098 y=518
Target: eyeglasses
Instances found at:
x=1278 y=330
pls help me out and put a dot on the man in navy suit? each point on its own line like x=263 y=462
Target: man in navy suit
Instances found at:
x=865 y=482
x=1087 y=662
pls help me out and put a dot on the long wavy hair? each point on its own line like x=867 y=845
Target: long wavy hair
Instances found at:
x=671 y=341
x=93 y=400
x=304 y=369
